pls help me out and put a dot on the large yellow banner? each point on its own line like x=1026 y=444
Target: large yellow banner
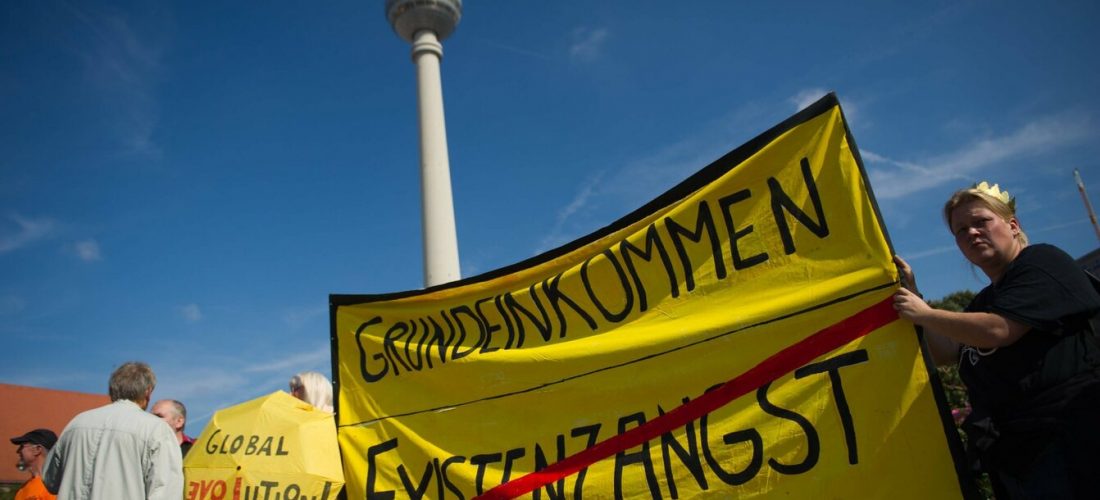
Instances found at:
x=732 y=338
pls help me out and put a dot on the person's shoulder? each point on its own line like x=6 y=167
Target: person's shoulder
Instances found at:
x=146 y=417
x=1044 y=255
x=1047 y=263
x=84 y=422
x=35 y=488
x=90 y=414
x=151 y=425
x=981 y=300
x=1045 y=251
x=129 y=412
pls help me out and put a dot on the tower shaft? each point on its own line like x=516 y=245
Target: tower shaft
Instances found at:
x=441 y=263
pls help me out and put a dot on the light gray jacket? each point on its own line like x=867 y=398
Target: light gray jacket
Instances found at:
x=115 y=452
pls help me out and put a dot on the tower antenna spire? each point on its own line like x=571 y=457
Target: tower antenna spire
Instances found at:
x=1085 y=198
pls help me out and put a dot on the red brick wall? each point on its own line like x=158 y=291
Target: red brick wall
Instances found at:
x=25 y=408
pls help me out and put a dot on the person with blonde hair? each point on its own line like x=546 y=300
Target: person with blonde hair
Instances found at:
x=1026 y=348
x=313 y=388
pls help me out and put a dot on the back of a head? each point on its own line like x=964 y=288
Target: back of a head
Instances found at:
x=132 y=381
x=315 y=389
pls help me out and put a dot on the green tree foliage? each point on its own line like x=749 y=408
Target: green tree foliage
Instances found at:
x=956 y=301
x=949 y=375
x=953 y=386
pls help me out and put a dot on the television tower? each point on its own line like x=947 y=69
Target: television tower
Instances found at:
x=425 y=23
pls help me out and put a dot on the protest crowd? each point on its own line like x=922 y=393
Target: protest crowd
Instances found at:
x=121 y=451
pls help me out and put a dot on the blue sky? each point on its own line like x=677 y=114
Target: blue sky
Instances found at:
x=185 y=183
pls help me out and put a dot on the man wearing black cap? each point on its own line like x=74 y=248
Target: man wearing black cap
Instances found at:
x=33 y=447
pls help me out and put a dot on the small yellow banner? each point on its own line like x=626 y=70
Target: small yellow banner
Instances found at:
x=732 y=338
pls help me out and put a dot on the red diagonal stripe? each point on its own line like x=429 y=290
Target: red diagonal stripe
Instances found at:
x=780 y=363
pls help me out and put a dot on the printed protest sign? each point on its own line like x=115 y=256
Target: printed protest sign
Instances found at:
x=735 y=336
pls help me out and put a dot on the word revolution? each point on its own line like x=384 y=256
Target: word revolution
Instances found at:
x=217 y=489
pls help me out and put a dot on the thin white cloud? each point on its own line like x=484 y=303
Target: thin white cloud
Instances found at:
x=26 y=231
x=198 y=381
x=470 y=268
x=191 y=313
x=645 y=178
x=628 y=188
x=123 y=67
x=588 y=43
x=806 y=97
x=88 y=250
x=1053 y=227
x=907 y=167
x=202 y=389
x=555 y=236
x=296 y=318
x=913 y=32
x=513 y=48
x=209 y=380
x=233 y=389
x=930 y=252
x=803 y=98
x=902 y=178
x=293 y=363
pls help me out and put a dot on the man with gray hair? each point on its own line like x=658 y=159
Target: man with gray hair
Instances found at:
x=118 y=451
x=174 y=414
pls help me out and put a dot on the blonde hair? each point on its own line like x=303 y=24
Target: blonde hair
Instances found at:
x=996 y=205
x=315 y=389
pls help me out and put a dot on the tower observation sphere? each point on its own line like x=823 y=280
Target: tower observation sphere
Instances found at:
x=410 y=16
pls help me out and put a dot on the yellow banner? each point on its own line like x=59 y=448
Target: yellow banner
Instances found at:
x=734 y=337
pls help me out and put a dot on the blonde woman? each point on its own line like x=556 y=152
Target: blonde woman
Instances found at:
x=313 y=388
x=1025 y=349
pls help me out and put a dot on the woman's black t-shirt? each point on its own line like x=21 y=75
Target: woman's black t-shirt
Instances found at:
x=1043 y=288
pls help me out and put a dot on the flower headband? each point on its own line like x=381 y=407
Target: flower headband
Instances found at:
x=995 y=191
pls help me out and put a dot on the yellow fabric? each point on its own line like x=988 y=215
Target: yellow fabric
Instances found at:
x=454 y=391
x=272 y=445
